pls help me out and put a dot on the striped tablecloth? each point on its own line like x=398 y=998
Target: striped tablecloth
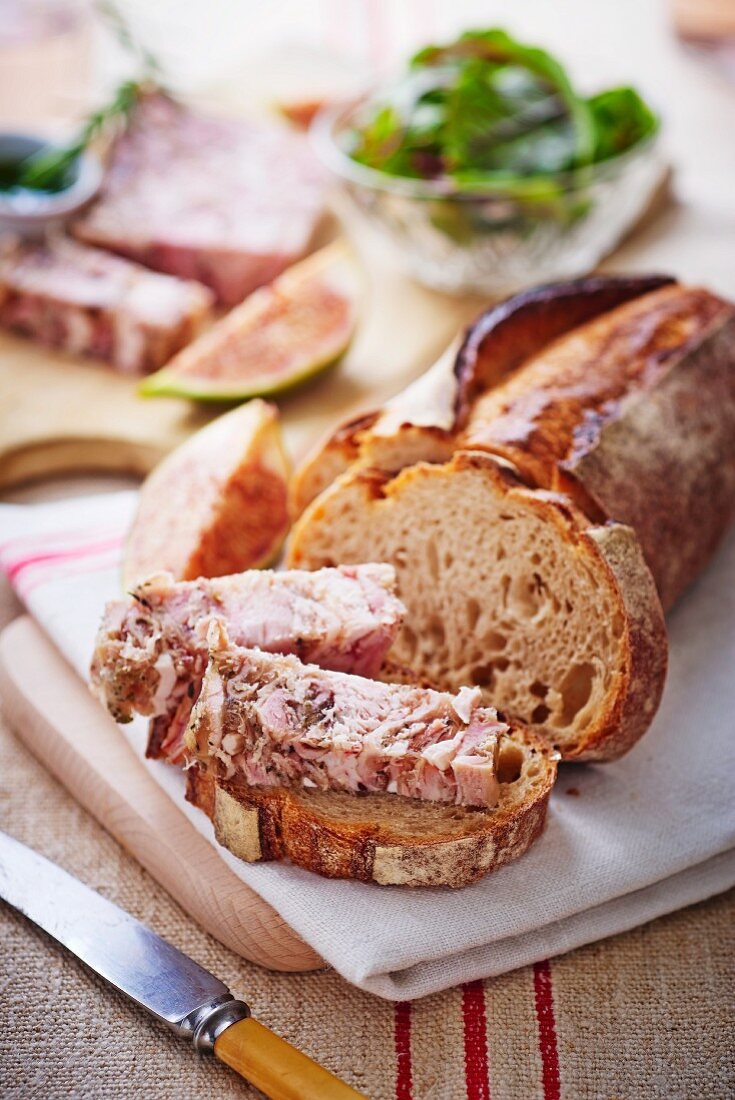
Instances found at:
x=646 y=1014
x=649 y=1015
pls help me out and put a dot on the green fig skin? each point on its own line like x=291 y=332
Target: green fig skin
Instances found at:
x=166 y=383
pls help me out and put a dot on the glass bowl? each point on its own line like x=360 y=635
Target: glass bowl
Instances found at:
x=489 y=241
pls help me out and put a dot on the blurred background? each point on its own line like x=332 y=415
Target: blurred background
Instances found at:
x=56 y=57
x=203 y=43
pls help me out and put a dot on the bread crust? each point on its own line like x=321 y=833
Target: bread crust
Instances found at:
x=633 y=415
x=329 y=458
x=305 y=827
x=415 y=426
x=420 y=423
x=665 y=465
x=646 y=644
x=509 y=333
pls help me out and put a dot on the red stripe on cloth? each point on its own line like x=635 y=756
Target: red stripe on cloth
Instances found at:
x=14 y=568
x=474 y=1018
x=402 y=1040
x=544 y=994
x=72 y=536
x=30 y=582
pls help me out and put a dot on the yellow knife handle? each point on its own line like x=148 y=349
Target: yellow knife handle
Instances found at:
x=275 y=1067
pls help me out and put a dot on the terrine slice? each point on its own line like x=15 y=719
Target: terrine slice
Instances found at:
x=151 y=649
x=275 y=722
x=229 y=202
x=87 y=302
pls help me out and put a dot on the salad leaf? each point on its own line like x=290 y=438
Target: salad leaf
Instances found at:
x=488 y=110
x=621 y=120
x=516 y=76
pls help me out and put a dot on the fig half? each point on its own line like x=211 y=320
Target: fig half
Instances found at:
x=280 y=336
x=215 y=505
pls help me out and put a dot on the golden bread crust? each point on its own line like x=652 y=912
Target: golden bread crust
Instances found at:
x=634 y=415
x=379 y=838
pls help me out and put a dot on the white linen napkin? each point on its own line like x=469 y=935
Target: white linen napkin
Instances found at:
x=625 y=842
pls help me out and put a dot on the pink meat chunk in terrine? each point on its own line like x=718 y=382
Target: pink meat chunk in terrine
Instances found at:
x=273 y=722
x=151 y=649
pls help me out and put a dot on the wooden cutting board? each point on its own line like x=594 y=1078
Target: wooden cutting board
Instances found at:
x=60 y=415
x=54 y=714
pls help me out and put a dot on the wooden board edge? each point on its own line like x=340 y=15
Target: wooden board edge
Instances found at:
x=59 y=457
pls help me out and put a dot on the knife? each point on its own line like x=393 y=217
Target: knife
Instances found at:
x=159 y=977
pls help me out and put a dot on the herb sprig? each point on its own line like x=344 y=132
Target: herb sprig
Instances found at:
x=51 y=169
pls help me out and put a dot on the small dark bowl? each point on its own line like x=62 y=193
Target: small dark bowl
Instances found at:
x=29 y=213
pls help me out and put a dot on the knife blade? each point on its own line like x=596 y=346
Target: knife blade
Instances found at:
x=158 y=977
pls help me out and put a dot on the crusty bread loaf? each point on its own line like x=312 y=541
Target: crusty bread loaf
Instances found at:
x=613 y=400
x=632 y=414
x=384 y=838
x=422 y=422
x=617 y=391
x=508 y=588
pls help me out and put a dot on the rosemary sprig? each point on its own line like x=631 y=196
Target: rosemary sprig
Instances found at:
x=149 y=65
x=49 y=169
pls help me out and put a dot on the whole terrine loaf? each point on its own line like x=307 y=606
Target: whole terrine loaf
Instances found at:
x=228 y=201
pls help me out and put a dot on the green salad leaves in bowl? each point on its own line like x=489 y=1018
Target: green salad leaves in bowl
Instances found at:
x=488 y=170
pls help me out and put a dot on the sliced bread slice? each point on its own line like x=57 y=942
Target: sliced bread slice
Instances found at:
x=508 y=588
x=385 y=838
